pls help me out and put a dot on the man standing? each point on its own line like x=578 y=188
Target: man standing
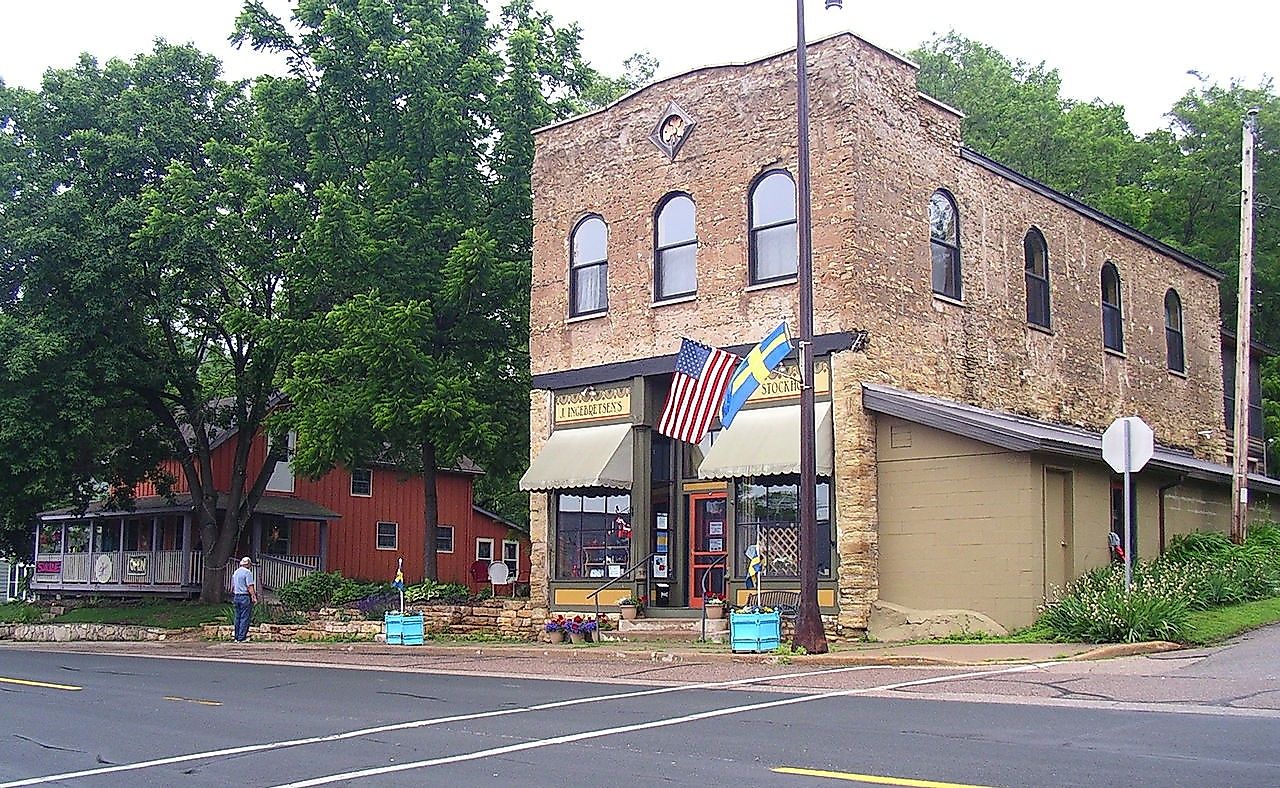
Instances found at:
x=244 y=591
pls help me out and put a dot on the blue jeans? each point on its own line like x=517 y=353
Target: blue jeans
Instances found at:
x=244 y=611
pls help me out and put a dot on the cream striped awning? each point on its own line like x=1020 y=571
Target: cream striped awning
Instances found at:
x=766 y=442
x=583 y=457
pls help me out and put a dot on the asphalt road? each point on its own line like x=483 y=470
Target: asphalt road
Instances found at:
x=1184 y=721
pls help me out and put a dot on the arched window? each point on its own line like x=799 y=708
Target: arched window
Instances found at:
x=1173 y=332
x=1112 y=317
x=944 y=243
x=675 y=270
x=773 y=250
x=589 y=267
x=1037 y=254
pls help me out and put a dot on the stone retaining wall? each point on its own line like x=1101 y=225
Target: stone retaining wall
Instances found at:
x=62 y=633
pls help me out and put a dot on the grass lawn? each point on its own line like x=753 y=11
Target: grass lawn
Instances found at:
x=1212 y=626
x=163 y=615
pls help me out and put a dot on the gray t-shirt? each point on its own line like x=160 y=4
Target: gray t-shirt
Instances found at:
x=241 y=579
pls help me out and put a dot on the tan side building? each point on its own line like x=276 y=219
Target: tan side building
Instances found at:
x=975 y=332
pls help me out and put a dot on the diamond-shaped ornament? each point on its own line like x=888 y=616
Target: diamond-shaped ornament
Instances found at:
x=673 y=128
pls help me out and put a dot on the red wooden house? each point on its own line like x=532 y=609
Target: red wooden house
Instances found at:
x=357 y=522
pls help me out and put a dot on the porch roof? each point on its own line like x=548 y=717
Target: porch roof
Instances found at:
x=1020 y=433
x=276 y=505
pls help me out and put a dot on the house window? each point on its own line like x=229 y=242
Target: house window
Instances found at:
x=1116 y=538
x=282 y=474
x=588 y=540
x=484 y=549
x=511 y=557
x=362 y=482
x=588 y=268
x=768 y=512
x=1173 y=332
x=276 y=538
x=773 y=250
x=388 y=536
x=944 y=243
x=1112 y=316
x=1037 y=255
x=675 y=271
x=444 y=538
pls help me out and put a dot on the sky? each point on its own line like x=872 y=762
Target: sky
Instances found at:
x=1137 y=54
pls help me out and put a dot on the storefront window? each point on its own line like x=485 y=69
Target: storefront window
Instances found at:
x=137 y=535
x=767 y=514
x=593 y=536
x=106 y=537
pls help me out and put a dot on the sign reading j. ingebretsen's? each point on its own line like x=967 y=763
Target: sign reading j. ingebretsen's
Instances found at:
x=784 y=382
x=595 y=405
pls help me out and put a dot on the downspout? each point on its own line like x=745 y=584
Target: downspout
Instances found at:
x=1160 y=496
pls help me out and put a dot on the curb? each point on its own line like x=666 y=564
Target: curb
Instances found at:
x=1128 y=650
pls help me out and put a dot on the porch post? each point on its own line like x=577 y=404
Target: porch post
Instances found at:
x=155 y=533
x=93 y=533
x=62 y=551
x=323 y=562
x=186 y=548
x=120 y=567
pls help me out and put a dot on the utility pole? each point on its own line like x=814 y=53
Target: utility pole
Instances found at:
x=809 y=633
x=1240 y=457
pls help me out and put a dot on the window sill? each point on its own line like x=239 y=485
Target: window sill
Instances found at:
x=1114 y=352
x=361 y=495
x=683 y=299
x=1177 y=374
x=767 y=285
x=583 y=318
x=1042 y=329
x=386 y=548
x=946 y=299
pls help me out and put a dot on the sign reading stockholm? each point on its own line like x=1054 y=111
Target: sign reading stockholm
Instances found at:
x=1128 y=444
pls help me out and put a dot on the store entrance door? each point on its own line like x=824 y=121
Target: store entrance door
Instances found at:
x=707 y=539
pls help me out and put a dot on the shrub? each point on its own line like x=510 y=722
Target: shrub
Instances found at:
x=312 y=591
x=430 y=591
x=1096 y=609
x=375 y=606
x=352 y=590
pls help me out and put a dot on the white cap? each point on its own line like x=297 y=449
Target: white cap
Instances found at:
x=246 y=561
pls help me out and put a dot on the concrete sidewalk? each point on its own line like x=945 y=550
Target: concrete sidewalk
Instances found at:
x=441 y=655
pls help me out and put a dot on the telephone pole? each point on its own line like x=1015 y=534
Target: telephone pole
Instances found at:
x=1240 y=450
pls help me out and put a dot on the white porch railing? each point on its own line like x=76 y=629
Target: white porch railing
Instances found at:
x=274 y=570
x=16 y=576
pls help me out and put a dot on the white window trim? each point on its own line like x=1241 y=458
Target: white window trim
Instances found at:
x=355 y=494
x=376 y=541
x=452 y=543
x=505 y=542
x=481 y=540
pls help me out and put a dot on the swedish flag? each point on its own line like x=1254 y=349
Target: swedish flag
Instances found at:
x=754 y=370
x=755 y=563
x=398 y=583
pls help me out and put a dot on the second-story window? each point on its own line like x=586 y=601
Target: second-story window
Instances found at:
x=1037 y=255
x=362 y=482
x=1112 y=316
x=1173 y=332
x=589 y=268
x=944 y=244
x=675 y=262
x=773 y=247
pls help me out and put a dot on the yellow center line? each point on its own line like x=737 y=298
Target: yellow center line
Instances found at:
x=871 y=778
x=45 y=684
x=201 y=701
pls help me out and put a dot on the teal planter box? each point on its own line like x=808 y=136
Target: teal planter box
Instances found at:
x=755 y=631
x=403 y=630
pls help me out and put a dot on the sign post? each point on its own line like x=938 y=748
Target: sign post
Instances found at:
x=1127 y=445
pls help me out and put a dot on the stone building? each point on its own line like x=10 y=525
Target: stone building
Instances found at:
x=975 y=332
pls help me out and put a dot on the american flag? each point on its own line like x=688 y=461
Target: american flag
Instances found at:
x=697 y=390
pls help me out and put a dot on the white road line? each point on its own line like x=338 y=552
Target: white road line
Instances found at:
x=277 y=745
x=596 y=734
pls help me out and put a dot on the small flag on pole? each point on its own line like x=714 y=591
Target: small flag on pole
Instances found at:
x=399 y=581
x=697 y=389
x=755 y=563
x=754 y=370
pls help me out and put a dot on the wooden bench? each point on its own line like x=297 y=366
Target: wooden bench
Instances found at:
x=787 y=603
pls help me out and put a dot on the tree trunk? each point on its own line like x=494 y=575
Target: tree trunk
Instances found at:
x=430 y=512
x=219 y=540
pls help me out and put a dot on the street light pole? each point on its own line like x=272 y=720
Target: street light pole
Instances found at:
x=809 y=633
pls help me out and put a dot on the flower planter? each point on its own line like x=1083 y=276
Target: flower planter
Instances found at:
x=403 y=630
x=577 y=637
x=556 y=637
x=715 y=611
x=755 y=631
x=629 y=612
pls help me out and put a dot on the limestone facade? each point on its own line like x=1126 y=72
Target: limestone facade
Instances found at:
x=879 y=150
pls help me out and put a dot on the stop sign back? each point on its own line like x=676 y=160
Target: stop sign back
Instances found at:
x=1128 y=455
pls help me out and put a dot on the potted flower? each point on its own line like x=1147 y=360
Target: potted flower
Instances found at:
x=555 y=628
x=630 y=607
x=714 y=605
x=580 y=629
